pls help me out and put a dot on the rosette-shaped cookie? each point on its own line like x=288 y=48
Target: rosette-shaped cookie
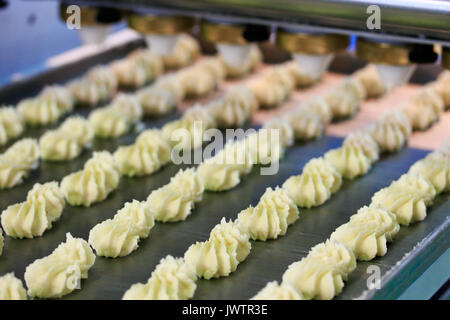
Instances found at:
x=89 y=93
x=172 y=279
x=109 y=122
x=321 y=274
x=17 y=162
x=59 y=273
x=76 y=251
x=103 y=76
x=185 y=52
x=271 y=217
x=98 y=178
x=99 y=85
x=391 y=131
x=111 y=239
x=39 y=111
x=442 y=85
x=318 y=181
x=306 y=125
x=234 y=108
x=344 y=100
x=50 y=277
x=172 y=83
x=11 y=288
x=119 y=236
x=424 y=108
x=129 y=105
x=318 y=106
x=371 y=80
x=175 y=200
x=435 y=167
x=302 y=77
x=61 y=95
x=271 y=88
x=275 y=291
x=31 y=218
x=185 y=133
x=407 y=197
x=156 y=100
x=224 y=170
x=11 y=124
x=350 y=160
x=367 y=232
x=148 y=154
x=78 y=128
x=138 y=68
x=363 y=140
x=227 y=246
x=216 y=66
x=285 y=130
x=68 y=141
x=137 y=214
x=264 y=146
x=199 y=113
x=198 y=80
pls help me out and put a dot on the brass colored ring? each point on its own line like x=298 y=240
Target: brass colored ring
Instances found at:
x=312 y=43
x=445 y=61
x=223 y=33
x=162 y=25
x=383 y=53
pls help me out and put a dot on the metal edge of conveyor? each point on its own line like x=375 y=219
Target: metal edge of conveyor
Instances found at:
x=51 y=75
x=412 y=265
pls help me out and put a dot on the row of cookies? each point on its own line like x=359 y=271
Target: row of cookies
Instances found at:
x=228 y=244
x=75 y=134
x=321 y=274
x=175 y=201
x=365 y=236
x=104 y=191
x=99 y=176
x=97 y=86
x=220 y=255
x=98 y=237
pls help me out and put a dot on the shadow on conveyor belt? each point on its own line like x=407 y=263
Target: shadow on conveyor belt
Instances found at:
x=110 y=278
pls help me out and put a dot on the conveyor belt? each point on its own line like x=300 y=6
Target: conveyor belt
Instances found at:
x=109 y=278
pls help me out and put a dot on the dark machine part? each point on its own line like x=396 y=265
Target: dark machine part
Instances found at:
x=423 y=53
x=256 y=33
x=419 y=21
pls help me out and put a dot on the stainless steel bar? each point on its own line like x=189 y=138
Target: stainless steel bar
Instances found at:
x=422 y=21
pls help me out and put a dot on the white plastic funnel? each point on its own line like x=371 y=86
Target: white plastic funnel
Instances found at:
x=94 y=34
x=394 y=76
x=162 y=44
x=314 y=64
x=235 y=55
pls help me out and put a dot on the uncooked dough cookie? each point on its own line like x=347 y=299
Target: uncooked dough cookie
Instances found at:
x=58 y=274
x=172 y=279
x=17 y=162
x=318 y=181
x=407 y=197
x=271 y=217
x=321 y=274
x=31 y=218
x=367 y=232
x=228 y=245
x=11 y=124
x=98 y=178
x=11 y=288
